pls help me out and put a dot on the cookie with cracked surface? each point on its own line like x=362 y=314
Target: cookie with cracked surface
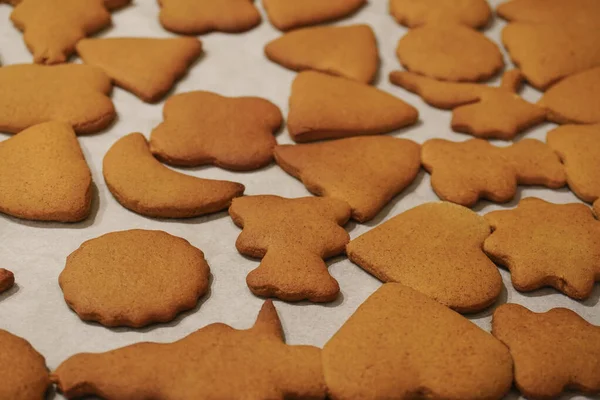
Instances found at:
x=400 y=344
x=203 y=128
x=348 y=51
x=72 y=93
x=134 y=278
x=44 y=175
x=449 y=52
x=329 y=107
x=215 y=362
x=366 y=172
x=292 y=237
x=146 y=67
x=292 y=14
x=414 y=13
x=546 y=364
x=464 y=172
x=545 y=244
x=142 y=184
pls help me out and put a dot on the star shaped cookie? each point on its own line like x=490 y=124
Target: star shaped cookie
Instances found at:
x=546 y=244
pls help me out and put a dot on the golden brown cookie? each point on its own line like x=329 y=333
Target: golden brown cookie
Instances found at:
x=328 y=107
x=203 y=128
x=7 y=280
x=400 y=344
x=552 y=351
x=72 y=93
x=545 y=244
x=291 y=14
x=464 y=172
x=134 y=278
x=578 y=146
x=142 y=184
x=51 y=28
x=44 y=176
x=366 y=172
x=550 y=11
x=146 y=67
x=348 y=51
x=215 y=362
x=414 y=13
x=575 y=99
x=546 y=54
x=449 y=52
x=597 y=208
x=116 y=4
x=194 y=17
x=479 y=110
x=435 y=248
x=292 y=236
x=23 y=369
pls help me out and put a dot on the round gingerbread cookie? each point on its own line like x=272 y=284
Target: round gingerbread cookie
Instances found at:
x=449 y=52
x=134 y=278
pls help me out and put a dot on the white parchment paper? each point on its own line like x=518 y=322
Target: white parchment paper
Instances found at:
x=233 y=65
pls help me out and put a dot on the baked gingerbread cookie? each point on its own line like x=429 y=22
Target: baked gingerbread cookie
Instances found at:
x=134 y=278
x=545 y=244
x=116 y=4
x=203 y=128
x=548 y=52
x=292 y=14
x=194 y=17
x=329 y=107
x=552 y=351
x=400 y=344
x=464 y=172
x=414 y=13
x=292 y=237
x=366 y=171
x=479 y=110
x=597 y=208
x=449 y=52
x=435 y=248
x=23 y=369
x=575 y=99
x=347 y=51
x=578 y=146
x=215 y=362
x=7 y=280
x=44 y=175
x=549 y=11
x=143 y=185
x=52 y=28
x=71 y=93
x=146 y=67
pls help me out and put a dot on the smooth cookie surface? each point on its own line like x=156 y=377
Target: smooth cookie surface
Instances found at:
x=291 y=14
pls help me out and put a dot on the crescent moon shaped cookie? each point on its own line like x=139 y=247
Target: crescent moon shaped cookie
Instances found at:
x=134 y=278
x=575 y=99
x=44 y=175
x=545 y=244
x=400 y=344
x=414 y=13
x=51 y=28
x=329 y=107
x=435 y=248
x=479 y=110
x=366 y=172
x=464 y=172
x=72 y=93
x=203 y=128
x=142 y=184
x=195 y=17
x=449 y=52
x=215 y=362
x=545 y=363
x=291 y=14
x=348 y=51
x=293 y=237
x=146 y=67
